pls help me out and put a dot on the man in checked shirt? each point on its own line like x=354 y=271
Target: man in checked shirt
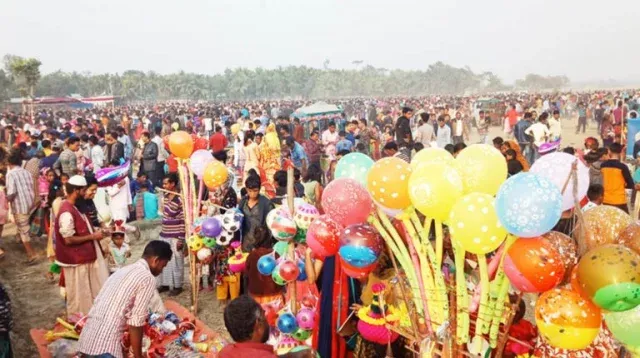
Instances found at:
x=123 y=302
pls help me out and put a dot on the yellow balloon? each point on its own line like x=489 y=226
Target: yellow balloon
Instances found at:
x=434 y=188
x=474 y=224
x=483 y=169
x=388 y=183
x=215 y=174
x=431 y=155
x=235 y=128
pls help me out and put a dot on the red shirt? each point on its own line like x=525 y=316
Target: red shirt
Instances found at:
x=218 y=142
x=513 y=117
x=247 y=349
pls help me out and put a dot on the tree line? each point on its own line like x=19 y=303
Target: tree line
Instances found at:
x=21 y=77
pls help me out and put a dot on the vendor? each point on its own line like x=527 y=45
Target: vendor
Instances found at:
x=124 y=301
x=77 y=250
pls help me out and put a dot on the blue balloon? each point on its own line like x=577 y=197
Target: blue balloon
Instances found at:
x=287 y=323
x=528 y=205
x=302 y=276
x=266 y=264
x=357 y=256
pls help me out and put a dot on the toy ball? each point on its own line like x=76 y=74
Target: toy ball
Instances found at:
x=275 y=275
x=287 y=323
x=211 y=227
x=209 y=241
x=306 y=318
x=356 y=272
x=360 y=245
x=203 y=253
x=195 y=243
x=288 y=270
x=610 y=276
x=301 y=335
x=238 y=261
x=323 y=236
x=283 y=228
x=285 y=345
x=271 y=313
x=224 y=238
x=231 y=220
x=567 y=320
x=305 y=214
x=302 y=276
x=281 y=248
x=533 y=265
x=266 y=264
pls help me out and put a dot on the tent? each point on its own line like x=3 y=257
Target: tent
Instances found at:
x=318 y=110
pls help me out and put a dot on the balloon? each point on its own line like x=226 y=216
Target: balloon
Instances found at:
x=388 y=182
x=630 y=237
x=360 y=245
x=215 y=174
x=199 y=160
x=112 y=175
x=203 y=253
x=528 y=205
x=566 y=247
x=211 y=227
x=346 y=202
x=431 y=155
x=302 y=276
x=434 y=189
x=235 y=128
x=181 y=144
x=275 y=275
x=288 y=270
x=301 y=335
x=195 y=243
x=625 y=326
x=482 y=168
x=603 y=225
x=209 y=241
x=306 y=318
x=357 y=272
x=556 y=167
x=566 y=320
x=287 y=323
x=266 y=264
x=322 y=236
x=172 y=163
x=271 y=313
x=474 y=225
x=281 y=248
x=533 y=265
x=282 y=226
x=610 y=276
x=304 y=215
x=199 y=143
x=354 y=166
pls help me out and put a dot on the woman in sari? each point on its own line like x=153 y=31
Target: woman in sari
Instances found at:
x=269 y=153
x=512 y=144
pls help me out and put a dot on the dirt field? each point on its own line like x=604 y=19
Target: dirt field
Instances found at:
x=36 y=303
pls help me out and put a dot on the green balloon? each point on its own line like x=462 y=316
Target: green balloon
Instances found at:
x=355 y=166
x=281 y=248
x=625 y=326
x=301 y=334
x=277 y=278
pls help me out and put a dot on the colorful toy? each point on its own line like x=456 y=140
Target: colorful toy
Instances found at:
x=482 y=169
x=603 y=225
x=323 y=236
x=567 y=320
x=301 y=335
x=287 y=323
x=533 y=265
x=238 y=261
x=110 y=176
x=474 y=224
x=231 y=220
x=286 y=344
x=266 y=264
x=203 y=254
x=275 y=275
x=302 y=276
x=347 y=202
x=306 y=318
x=304 y=215
x=224 y=238
x=388 y=183
x=288 y=270
x=209 y=241
x=283 y=228
x=211 y=227
x=195 y=243
x=360 y=245
x=354 y=166
x=375 y=317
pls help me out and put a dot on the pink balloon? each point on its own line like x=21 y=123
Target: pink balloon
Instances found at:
x=323 y=235
x=199 y=160
x=347 y=202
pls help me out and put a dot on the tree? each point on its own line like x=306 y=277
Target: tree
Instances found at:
x=25 y=73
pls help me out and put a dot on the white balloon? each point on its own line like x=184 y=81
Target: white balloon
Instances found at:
x=556 y=167
x=203 y=253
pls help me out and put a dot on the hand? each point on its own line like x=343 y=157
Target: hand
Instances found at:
x=121 y=184
x=355 y=307
x=128 y=254
x=179 y=245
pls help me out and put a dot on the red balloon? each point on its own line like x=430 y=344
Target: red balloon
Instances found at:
x=347 y=202
x=288 y=270
x=199 y=142
x=363 y=235
x=322 y=236
x=356 y=272
x=172 y=163
x=271 y=313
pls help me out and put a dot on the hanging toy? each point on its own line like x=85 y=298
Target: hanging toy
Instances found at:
x=301 y=335
x=286 y=344
x=287 y=323
x=195 y=243
x=266 y=264
x=209 y=242
x=281 y=225
x=306 y=318
x=373 y=318
x=231 y=220
x=238 y=261
x=305 y=214
x=224 y=238
x=288 y=270
x=203 y=254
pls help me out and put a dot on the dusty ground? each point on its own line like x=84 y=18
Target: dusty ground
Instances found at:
x=36 y=303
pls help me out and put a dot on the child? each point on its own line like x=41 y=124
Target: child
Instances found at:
x=595 y=193
x=146 y=204
x=343 y=143
x=513 y=165
x=118 y=249
x=262 y=288
x=280 y=179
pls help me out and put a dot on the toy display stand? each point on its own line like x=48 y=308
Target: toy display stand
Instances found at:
x=38 y=334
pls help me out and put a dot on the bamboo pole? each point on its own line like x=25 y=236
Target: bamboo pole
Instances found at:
x=292 y=244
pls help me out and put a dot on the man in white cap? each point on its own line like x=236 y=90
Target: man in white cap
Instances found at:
x=78 y=251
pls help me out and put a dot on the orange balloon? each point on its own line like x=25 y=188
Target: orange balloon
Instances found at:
x=603 y=225
x=388 y=183
x=630 y=237
x=566 y=247
x=181 y=144
x=533 y=265
x=215 y=174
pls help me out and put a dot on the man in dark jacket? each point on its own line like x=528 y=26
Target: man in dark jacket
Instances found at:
x=404 y=137
x=255 y=208
x=524 y=140
x=149 y=157
x=113 y=150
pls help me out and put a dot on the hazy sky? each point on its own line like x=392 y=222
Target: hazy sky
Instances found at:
x=584 y=39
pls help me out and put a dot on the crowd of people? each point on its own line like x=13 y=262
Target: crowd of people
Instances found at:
x=49 y=188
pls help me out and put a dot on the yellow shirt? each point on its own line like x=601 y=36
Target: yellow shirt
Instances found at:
x=47 y=152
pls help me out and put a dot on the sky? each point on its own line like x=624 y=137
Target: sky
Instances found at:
x=583 y=39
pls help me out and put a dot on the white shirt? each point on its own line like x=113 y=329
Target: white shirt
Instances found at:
x=555 y=128
x=208 y=124
x=120 y=199
x=424 y=135
x=97 y=157
x=162 y=153
x=588 y=206
x=539 y=132
x=458 y=126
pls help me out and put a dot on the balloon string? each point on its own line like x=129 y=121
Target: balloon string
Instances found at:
x=503 y=290
x=462 y=314
x=482 y=325
x=439 y=242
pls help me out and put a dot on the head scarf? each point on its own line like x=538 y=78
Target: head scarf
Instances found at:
x=519 y=157
x=271 y=138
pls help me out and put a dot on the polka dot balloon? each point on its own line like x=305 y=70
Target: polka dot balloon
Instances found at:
x=474 y=225
x=529 y=205
x=431 y=155
x=355 y=166
x=304 y=215
x=482 y=167
x=388 y=183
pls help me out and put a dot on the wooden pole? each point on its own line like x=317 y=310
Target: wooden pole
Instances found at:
x=292 y=244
